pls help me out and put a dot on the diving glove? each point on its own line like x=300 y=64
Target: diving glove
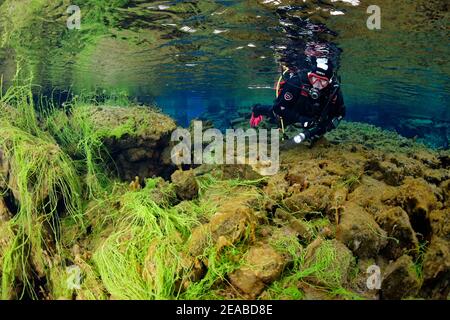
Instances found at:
x=254 y=121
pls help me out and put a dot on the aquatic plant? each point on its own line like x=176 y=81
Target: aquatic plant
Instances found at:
x=43 y=177
x=141 y=258
x=43 y=184
x=77 y=136
x=323 y=266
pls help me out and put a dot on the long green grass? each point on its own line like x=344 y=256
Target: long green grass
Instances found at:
x=41 y=176
x=141 y=258
x=139 y=240
x=326 y=270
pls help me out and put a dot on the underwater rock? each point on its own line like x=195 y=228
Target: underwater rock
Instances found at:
x=444 y=160
x=436 y=270
x=265 y=262
x=247 y=282
x=303 y=230
x=285 y=241
x=161 y=191
x=402 y=238
x=282 y=215
x=228 y=172
x=230 y=224
x=392 y=167
x=407 y=165
x=300 y=227
x=371 y=194
x=312 y=292
x=400 y=279
x=440 y=223
x=417 y=196
x=317 y=198
x=262 y=265
x=135 y=137
x=277 y=186
x=5 y=215
x=429 y=159
x=445 y=186
x=329 y=262
x=359 y=232
x=435 y=176
x=199 y=241
x=386 y=171
x=418 y=199
x=186 y=187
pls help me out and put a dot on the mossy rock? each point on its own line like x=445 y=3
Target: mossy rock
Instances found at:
x=328 y=263
x=262 y=265
x=358 y=230
x=186 y=186
x=400 y=279
x=436 y=270
x=402 y=238
x=116 y=121
x=135 y=137
x=317 y=198
x=440 y=223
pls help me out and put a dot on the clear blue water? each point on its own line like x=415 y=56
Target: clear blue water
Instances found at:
x=211 y=59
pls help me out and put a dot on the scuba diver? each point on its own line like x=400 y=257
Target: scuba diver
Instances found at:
x=310 y=99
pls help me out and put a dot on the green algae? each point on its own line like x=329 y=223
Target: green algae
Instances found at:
x=132 y=241
x=40 y=176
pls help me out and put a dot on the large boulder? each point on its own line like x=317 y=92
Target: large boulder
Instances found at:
x=400 y=279
x=418 y=199
x=135 y=137
x=262 y=265
x=385 y=170
x=231 y=223
x=440 y=223
x=315 y=199
x=328 y=263
x=371 y=194
x=436 y=270
x=186 y=186
x=401 y=236
x=359 y=232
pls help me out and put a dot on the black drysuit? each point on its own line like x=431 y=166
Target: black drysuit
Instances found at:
x=295 y=106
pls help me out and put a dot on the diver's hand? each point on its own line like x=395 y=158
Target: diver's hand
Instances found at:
x=255 y=121
x=299 y=138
